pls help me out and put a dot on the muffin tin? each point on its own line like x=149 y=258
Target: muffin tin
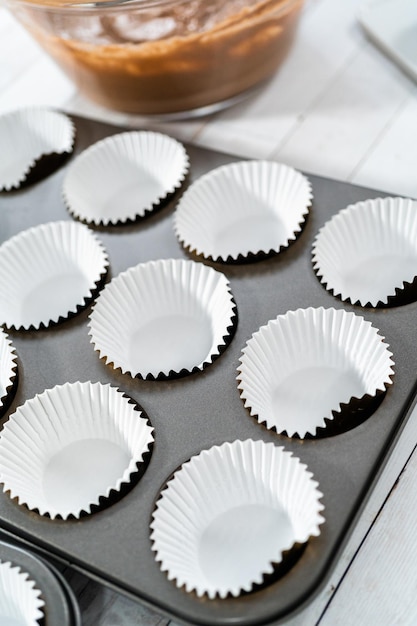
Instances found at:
x=204 y=409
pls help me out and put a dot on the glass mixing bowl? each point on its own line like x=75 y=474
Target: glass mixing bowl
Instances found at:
x=163 y=56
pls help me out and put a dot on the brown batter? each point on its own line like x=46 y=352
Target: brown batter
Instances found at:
x=175 y=56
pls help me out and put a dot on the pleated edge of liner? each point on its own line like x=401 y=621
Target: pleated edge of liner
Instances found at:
x=10 y=389
x=277 y=568
x=365 y=406
x=143 y=213
x=37 y=591
x=88 y=299
x=15 y=186
x=407 y=294
x=114 y=495
x=251 y=257
x=173 y=374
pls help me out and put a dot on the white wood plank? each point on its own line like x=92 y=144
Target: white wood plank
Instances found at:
x=380 y=586
x=20 y=47
x=350 y=117
x=7 y=21
x=327 y=38
x=391 y=163
x=44 y=85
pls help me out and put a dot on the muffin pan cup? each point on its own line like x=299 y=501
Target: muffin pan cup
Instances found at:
x=164 y=319
x=314 y=368
x=223 y=537
x=49 y=273
x=205 y=409
x=124 y=177
x=35 y=141
x=367 y=253
x=243 y=212
x=74 y=449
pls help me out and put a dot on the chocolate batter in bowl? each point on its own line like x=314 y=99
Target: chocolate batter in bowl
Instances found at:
x=163 y=56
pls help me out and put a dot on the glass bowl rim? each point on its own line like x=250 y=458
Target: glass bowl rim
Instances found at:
x=70 y=6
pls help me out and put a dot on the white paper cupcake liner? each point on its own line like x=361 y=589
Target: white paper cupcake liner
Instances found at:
x=228 y=515
x=49 y=273
x=8 y=371
x=367 y=253
x=303 y=368
x=20 y=599
x=243 y=211
x=27 y=136
x=73 y=449
x=124 y=177
x=163 y=319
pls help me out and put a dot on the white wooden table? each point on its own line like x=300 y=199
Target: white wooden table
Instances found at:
x=338 y=108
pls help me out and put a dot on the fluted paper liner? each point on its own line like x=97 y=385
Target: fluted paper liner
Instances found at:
x=367 y=253
x=73 y=449
x=303 y=368
x=20 y=599
x=8 y=371
x=163 y=319
x=242 y=211
x=124 y=177
x=49 y=273
x=28 y=135
x=227 y=516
